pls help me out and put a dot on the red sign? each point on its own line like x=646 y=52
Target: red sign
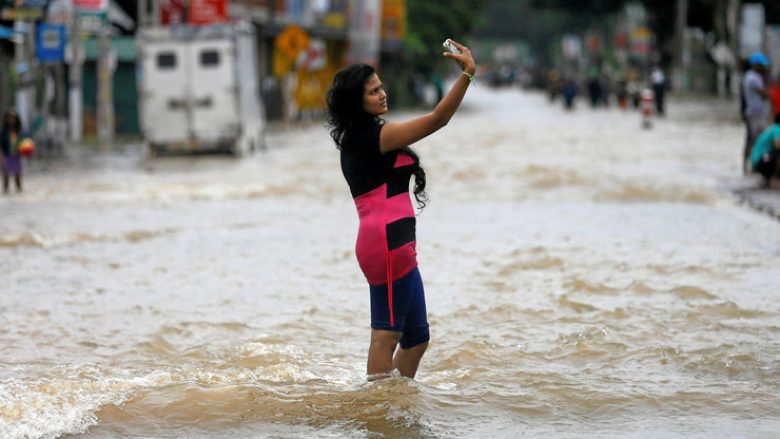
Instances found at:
x=91 y=5
x=172 y=12
x=208 y=11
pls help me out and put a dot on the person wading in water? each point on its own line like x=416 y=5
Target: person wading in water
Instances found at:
x=377 y=164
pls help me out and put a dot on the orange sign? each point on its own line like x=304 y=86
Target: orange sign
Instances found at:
x=393 y=19
x=292 y=41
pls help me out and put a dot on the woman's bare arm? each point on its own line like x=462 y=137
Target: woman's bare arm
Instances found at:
x=397 y=135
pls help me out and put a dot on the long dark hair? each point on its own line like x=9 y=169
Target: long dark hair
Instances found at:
x=347 y=118
x=15 y=126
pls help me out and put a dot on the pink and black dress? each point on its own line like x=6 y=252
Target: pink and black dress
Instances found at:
x=386 y=247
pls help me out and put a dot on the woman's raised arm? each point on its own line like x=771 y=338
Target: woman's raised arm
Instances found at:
x=397 y=135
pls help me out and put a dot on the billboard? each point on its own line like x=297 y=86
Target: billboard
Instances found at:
x=91 y=5
x=22 y=9
x=363 y=31
x=393 y=23
x=208 y=11
x=172 y=12
x=751 y=30
x=50 y=42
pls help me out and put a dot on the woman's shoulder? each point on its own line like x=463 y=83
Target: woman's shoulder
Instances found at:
x=362 y=139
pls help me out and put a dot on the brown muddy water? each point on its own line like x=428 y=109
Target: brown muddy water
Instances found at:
x=584 y=278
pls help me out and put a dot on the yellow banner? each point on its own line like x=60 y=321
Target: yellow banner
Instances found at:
x=393 y=19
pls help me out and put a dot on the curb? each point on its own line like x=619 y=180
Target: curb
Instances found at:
x=762 y=200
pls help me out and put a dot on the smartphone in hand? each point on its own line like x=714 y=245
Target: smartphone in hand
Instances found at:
x=451 y=47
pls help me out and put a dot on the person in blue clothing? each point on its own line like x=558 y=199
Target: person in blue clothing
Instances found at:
x=10 y=161
x=766 y=151
x=755 y=95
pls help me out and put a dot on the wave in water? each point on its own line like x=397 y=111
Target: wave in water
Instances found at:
x=44 y=240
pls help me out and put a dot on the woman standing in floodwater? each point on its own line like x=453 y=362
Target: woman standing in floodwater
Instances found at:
x=377 y=163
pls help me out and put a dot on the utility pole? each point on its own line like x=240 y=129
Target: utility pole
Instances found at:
x=732 y=26
x=681 y=50
x=23 y=60
x=105 y=92
x=74 y=92
x=143 y=12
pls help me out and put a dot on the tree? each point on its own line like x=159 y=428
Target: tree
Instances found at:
x=429 y=22
x=540 y=27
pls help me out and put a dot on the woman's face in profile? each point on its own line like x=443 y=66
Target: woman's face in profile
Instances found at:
x=374 y=97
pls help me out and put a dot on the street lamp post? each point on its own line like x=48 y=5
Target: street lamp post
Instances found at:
x=74 y=92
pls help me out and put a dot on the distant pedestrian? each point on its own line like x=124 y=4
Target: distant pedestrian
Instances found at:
x=658 y=81
x=377 y=163
x=569 y=92
x=438 y=83
x=594 y=86
x=622 y=93
x=756 y=108
x=766 y=151
x=10 y=136
x=553 y=84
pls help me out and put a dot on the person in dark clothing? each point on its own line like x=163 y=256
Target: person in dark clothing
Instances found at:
x=658 y=80
x=10 y=160
x=766 y=152
x=569 y=92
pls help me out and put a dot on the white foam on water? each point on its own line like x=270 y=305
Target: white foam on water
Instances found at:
x=69 y=400
x=68 y=404
x=51 y=409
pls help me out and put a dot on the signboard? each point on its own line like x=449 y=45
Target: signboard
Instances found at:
x=50 y=42
x=641 y=41
x=571 y=46
x=594 y=43
x=22 y=9
x=93 y=21
x=751 y=31
x=773 y=48
x=336 y=15
x=172 y=12
x=23 y=3
x=297 y=12
x=91 y=5
x=292 y=41
x=363 y=31
x=393 y=20
x=60 y=12
x=208 y=11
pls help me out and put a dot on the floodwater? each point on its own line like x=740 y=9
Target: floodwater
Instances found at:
x=585 y=278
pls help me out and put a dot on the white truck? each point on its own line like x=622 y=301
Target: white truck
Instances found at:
x=198 y=89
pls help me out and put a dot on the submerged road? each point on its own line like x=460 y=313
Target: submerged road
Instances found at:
x=584 y=278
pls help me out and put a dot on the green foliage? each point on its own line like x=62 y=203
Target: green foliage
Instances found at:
x=430 y=22
x=593 y=8
x=541 y=27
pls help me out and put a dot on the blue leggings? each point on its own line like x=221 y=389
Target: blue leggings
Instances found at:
x=409 y=313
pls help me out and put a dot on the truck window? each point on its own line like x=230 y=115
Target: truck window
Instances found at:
x=166 y=60
x=209 y=58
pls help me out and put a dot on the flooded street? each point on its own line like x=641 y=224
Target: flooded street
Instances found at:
x=584 y=278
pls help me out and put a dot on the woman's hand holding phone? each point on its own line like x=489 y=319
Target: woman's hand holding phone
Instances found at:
x=461 y=54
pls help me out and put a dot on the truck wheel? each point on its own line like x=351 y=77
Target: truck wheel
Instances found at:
x=150 y=150
x=262 y=141
x=240 y=149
